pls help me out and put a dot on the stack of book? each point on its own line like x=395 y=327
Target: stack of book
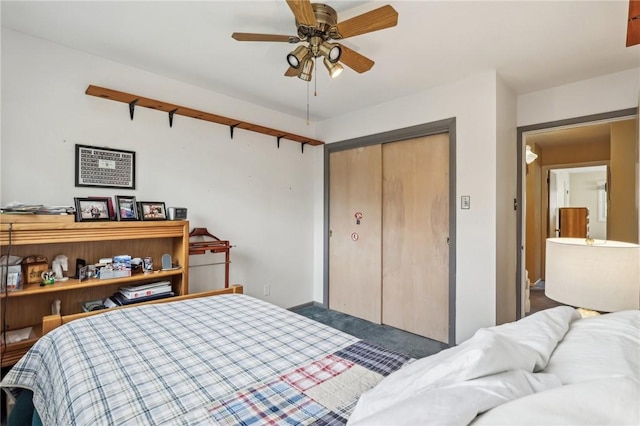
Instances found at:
x=140 y=293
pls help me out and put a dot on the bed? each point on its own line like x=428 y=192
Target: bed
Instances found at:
x=234 y=359
x=225 y=359
x=550 y=368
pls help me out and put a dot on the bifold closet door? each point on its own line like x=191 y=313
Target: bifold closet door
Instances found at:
x=415 y=232
x=355 y=234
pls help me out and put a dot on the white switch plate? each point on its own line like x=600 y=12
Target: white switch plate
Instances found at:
x=465 y=202
x=267 y=290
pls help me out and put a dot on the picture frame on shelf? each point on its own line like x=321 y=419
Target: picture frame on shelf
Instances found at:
x=92 y=209
x=126 y=208
x=112 y=212
x=105 y=167
x=152 y=210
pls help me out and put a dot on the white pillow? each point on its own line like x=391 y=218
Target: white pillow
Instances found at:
x=614 y=401
x=599 y=347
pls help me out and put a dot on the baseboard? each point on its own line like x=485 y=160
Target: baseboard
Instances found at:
x=306 y=305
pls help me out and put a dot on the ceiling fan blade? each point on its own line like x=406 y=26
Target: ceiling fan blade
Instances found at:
x=291 y=72
x=303 y=11
x=355 y=61
x=633 y=25
x=377 y=19
x=265 y=37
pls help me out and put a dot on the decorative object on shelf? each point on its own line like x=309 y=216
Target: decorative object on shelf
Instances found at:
x=177 y=213
x=59 y=264
x=598 y=274
x=92 y=209
x=147 y=264
x=126 y=208
x=33 y=267
x=152 y=210
x=134 y=100
x=10 y=273
x=48 y=277
x=105 y=167
x=166 y=262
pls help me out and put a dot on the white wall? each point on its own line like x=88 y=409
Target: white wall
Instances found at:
x=585 y=193
x=244 y=190
x=611 y=92
x=506 y=189
x=473 y=103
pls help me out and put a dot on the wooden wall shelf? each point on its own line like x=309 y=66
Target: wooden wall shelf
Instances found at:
x=171 y=109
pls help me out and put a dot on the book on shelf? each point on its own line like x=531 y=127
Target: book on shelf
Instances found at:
x=134 y=292
x=145 y=286
x=145 y=292
x=119 y=300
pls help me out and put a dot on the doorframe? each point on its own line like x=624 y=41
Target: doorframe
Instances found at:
x=520 y=190
x=427 y=129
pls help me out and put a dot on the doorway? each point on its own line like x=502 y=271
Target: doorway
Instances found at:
x=577 y=188
x=565 y=144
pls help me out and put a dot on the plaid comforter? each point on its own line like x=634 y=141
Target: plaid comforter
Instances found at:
x=229 y=359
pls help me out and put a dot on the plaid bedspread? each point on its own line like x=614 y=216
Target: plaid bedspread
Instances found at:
x=229 y=359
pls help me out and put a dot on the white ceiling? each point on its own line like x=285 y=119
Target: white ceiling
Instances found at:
x=533 y=45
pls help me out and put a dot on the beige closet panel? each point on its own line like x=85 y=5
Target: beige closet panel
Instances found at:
x=355 y=183
x=415 y=229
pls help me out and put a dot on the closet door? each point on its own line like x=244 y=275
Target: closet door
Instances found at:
x=415 y=231
x=355 y=252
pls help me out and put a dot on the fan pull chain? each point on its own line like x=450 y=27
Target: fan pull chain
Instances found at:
x=308 y=122
x=315 y=78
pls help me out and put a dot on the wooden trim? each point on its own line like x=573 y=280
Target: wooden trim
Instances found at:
x=633 y=24
x=128 y=98
x=51 y=322
x=50 y=232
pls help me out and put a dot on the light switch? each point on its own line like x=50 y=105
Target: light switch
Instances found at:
x=465 y=202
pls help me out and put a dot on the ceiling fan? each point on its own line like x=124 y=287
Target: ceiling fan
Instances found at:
x=318 y=25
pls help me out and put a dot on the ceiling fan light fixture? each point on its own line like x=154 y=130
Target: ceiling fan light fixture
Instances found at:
x=306 y=70
x=331 y=51
x=296 y=58
x=334 y=69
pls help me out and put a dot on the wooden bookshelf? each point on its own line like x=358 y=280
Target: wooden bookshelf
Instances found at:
x=90 y=241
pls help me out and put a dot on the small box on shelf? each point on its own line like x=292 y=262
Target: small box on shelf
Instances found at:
x=33 y=271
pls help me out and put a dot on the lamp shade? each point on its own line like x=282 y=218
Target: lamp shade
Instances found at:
x=529 y=155
x=603 y=276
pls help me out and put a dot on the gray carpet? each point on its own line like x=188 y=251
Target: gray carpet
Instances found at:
x=389 y=337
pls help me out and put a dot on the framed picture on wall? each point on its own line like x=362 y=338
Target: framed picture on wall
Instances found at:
x=126 y=208
x=92 y=209
x=105 y=167
x=152 y=210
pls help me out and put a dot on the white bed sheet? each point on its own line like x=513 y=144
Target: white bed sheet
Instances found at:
x=574 y=371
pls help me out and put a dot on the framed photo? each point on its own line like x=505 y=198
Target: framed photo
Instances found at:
x=152 y=210
x=112 y=212
x=126 y=208
x=105 y=167
x=92 y=209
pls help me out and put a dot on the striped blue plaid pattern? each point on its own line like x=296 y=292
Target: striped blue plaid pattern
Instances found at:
x=154 y=364
x=374 y=357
